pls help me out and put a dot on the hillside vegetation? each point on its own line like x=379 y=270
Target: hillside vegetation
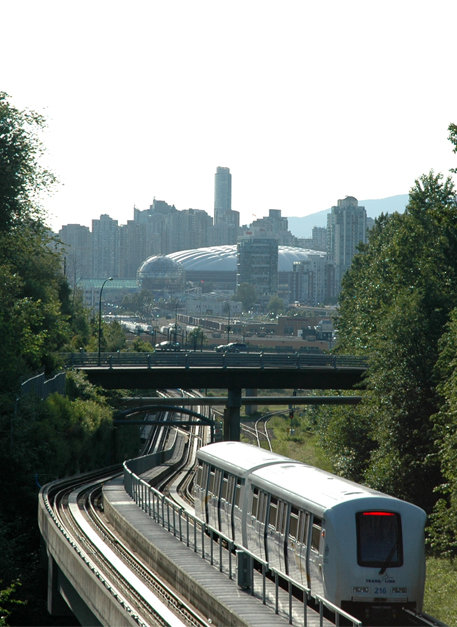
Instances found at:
x=398 y=308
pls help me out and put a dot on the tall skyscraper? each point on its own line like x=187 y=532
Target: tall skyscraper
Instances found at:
x=222 y=194
x=226 y=221
x=77 y=251
x=257 y=264
x=105 y=247
x=346 y=229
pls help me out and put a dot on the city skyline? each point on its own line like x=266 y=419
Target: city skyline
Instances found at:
x=304 y=102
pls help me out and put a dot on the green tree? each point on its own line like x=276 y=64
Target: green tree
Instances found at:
x=275 y=305
x=394 y=305
x=36 y=320
x=22 y=178
x=196 y=337
x=443 y=521
x=140 y=303
x=247 y=295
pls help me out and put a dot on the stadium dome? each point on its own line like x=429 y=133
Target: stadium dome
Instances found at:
x=215 y=265
x=160 y=273
x=223 y=258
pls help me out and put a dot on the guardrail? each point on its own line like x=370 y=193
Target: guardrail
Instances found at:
x=208 y=359
x=196 y=534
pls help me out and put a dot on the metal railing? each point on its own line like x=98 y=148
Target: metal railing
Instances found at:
x=199 y=536
x=190 y=359
x=41 y=387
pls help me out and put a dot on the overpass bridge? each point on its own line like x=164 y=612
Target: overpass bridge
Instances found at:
x=231 y=371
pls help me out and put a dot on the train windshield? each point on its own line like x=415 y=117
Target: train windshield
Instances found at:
x=379 y=539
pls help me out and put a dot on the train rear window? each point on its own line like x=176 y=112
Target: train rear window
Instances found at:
x=379 y=539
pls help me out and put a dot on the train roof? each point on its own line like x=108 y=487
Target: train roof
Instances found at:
x=320 y=490
x=238 y=457
x=295 y=482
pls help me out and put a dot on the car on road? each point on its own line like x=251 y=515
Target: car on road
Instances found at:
x=232 y=347
x=168 y=346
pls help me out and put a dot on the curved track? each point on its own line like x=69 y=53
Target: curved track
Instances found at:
x=76 y=507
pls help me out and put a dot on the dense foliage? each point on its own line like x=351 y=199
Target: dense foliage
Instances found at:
x=40 y=440
x=398 y=308
x=22 y=179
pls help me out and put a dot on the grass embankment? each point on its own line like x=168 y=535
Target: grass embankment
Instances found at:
x=296 y=440
x=441 y=590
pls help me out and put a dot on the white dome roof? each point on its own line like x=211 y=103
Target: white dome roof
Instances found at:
x=223 y=258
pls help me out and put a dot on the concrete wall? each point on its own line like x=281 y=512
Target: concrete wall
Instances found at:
x=92 y=598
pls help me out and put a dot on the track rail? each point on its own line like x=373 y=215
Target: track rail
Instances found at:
x=145 y=598
x=75 y=506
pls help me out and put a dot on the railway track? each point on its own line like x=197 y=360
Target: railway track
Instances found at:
x=147 y=599
x=76 y=507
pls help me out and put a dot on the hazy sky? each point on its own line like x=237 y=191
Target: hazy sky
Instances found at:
x=305 y=102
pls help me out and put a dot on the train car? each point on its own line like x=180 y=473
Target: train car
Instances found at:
x=359 y=548
x=220 y=478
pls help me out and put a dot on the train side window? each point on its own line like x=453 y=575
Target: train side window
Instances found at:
x=255 y=502
x=231 y=487
x=281 y=521
x=198 y=474
x=224 y=487
x=273 y=514
x=211 y=479
x=239 y=483
x=293 y=522
x=262 y=509
x=218 y=482
x=316 y=534
x=303 y=522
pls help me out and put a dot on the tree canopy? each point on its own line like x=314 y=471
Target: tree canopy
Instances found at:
x=39 y=317
x=398 y=308
x=22 y=178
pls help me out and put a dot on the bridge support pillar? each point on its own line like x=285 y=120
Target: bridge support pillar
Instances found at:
x=56 y=604
x=251 y=409
x=232 y=429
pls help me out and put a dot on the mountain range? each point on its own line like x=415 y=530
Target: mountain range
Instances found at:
x=303 y=226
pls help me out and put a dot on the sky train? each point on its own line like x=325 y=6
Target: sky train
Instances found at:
x=360 y=549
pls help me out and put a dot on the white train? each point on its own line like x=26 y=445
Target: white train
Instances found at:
x=360 y=549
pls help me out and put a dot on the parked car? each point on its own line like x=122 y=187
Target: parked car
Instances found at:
x=232 y=347
x=168 y=346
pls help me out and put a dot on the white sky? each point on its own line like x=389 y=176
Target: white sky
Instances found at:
x=305 y=102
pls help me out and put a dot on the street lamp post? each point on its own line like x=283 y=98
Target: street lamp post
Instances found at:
x=228 y=323
x=110 y=278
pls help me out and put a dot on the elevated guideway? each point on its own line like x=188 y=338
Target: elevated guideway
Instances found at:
x=190 y=370
x=214 y=585
x=231 y=371
x=221 y=584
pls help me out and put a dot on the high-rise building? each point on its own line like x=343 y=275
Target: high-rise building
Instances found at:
x=222 y=194
x=226 y=221
x=308 y=281
x=77 y=251
x=257 y=264
x=346 y=229
x=105 y=247
x=277 y=226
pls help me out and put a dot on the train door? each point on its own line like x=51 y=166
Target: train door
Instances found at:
x=226 y=504
x=298 y=557
x=257 y=523
x=276 y=544
x=316 y=540
x=212 y=499
x=238 y=512
x=200 y=491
